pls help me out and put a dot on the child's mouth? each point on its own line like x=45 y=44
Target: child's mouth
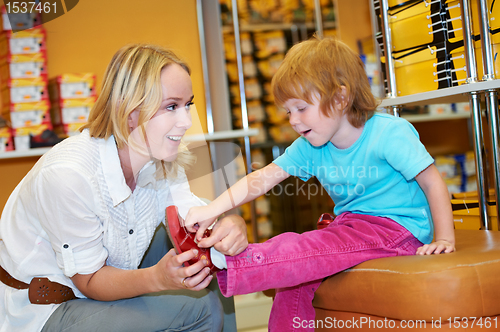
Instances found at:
x=305 y=132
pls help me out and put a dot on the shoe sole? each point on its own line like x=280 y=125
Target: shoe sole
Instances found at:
x=172 y=215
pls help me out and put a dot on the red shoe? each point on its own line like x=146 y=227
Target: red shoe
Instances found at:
x=324 y=220
x=183 y=240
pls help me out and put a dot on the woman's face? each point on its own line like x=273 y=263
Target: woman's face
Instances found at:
x=166 y=128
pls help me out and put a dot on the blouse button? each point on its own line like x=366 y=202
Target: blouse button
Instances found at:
x=131 y=231
x=66 y=246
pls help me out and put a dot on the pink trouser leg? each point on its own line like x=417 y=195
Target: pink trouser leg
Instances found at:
x=296 y=263
x=292 y=308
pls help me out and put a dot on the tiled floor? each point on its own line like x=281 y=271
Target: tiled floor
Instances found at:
x=252 y=312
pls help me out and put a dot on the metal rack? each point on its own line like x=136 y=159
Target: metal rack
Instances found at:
x=473 y=90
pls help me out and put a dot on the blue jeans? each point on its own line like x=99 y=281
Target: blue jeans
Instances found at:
x=295 y=264
x=181 y=310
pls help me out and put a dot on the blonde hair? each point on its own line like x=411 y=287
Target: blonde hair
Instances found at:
x=324 y=66
x=132 y=81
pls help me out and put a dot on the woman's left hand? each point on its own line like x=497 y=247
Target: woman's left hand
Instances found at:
x=438 y=247
x=229 y=236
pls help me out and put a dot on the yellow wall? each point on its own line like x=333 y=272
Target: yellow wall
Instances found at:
x=85 y=38
x=353 y=22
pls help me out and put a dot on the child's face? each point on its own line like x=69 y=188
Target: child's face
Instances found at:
x=308 y=121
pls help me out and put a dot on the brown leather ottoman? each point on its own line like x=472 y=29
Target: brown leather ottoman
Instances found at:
x=455 y=291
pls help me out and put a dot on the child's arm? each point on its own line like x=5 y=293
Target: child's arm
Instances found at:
x=439 y=202
x=245 y=190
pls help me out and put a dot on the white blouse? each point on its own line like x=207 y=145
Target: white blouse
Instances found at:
x=72 y=213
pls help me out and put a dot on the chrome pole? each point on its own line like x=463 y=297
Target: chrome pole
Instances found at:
x=375 y=28
x=475 y=105
x=318 y=18
x=491 y=97
x=470 y=59
x=389 y=63
x=244 y=109
x=204 y=65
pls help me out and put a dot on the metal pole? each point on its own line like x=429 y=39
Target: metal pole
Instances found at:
x=475 y=105
x=204 y=65
x=375 y=28
x=477 y=130
x=318 y=18
x=491 y=97
x=389 y=63
x=470 y=59
x=244 y=109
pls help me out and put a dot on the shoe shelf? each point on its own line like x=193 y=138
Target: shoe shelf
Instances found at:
x=435 y=117
x=35 y=152
x=277 y=26
x=442 y=96
x=219 y=135
x=450 y=26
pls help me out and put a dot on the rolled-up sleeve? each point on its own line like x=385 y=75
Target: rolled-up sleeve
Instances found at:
x=68 y=214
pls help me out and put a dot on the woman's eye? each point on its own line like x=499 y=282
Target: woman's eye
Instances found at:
x=188 y=105
x=171 y=107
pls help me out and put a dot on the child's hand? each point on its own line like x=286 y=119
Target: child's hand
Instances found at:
x=229 y=236
x=198 y=219
x=438 y=247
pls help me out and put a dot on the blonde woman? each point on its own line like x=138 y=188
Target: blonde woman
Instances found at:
x=75 y=230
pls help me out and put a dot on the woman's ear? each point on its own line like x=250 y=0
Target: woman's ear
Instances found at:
x=133 y=120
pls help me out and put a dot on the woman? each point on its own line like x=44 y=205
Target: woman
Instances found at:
x=86 y=213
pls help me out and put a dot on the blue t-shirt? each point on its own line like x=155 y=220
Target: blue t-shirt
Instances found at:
x=374 y=176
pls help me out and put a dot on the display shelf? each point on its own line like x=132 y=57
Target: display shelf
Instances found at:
x=413 y=118
x=24 y=153
x=220 y=135
x=454 y=94
x=276 y=26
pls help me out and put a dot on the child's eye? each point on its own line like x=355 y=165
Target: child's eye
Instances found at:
x=188 y=105
x=301 y=109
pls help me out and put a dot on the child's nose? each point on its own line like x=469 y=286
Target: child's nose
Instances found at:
x=294 y=119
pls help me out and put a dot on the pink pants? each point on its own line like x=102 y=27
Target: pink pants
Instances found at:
x=295 y=264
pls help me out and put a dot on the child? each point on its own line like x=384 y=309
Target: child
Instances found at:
x=389 y=197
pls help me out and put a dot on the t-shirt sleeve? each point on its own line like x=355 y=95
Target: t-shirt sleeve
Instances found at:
x=66 y=209
x=403 y=150
x=297 y=159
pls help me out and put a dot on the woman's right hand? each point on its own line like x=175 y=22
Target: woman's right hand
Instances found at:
x=171 y=274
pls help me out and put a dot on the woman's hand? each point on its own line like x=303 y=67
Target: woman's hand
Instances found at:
x=171 y=274
x=229 y=236
x=438 y=247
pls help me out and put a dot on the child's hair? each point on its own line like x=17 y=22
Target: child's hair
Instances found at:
x=132 y=81
x=323 y=66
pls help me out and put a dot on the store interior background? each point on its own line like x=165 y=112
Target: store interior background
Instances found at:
x=84 y=39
